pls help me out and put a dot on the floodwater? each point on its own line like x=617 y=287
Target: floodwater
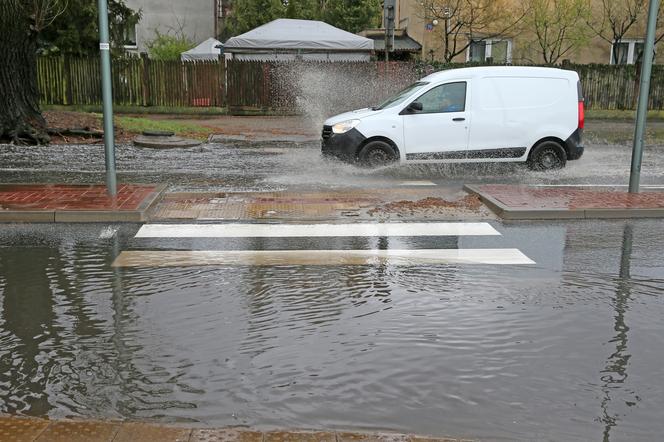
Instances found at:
x=268 y=166
x=569 y=348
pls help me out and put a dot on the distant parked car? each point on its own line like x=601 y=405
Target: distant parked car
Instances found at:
x=480 y=114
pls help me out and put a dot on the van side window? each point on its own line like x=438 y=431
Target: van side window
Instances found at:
x=450 y=97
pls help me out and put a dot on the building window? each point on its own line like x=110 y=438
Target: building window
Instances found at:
x=129 y=36
x=627 y=52
x=477 y=51
x=490 y=50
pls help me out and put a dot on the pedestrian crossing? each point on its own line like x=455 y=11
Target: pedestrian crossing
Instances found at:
x=313 y=230
x=420 y=183
x=319 y=257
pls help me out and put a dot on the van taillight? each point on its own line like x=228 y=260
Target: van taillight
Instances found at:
x=582 y=115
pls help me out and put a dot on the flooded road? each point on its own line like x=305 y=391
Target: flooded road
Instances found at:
x=270 y=166
x=568 y=348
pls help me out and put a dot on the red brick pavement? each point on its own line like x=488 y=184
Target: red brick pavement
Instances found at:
x=528 y=197
x=72 y=197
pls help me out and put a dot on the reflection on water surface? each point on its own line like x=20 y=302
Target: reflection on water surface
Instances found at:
x=568 y=349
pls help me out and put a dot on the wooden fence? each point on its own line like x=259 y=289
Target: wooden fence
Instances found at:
x=137 y=81
x=287 y=86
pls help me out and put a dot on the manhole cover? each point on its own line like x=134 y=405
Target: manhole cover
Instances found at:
x=158 y=133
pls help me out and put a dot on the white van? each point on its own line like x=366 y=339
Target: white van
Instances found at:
x=480 y=114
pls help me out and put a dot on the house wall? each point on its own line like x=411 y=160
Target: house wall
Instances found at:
x=193 y=18
x=410 y=16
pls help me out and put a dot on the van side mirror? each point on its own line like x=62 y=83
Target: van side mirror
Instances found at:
x=415 y=106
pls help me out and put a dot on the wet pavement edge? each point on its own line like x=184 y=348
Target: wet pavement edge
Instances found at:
x=510 y=213
x=86 y=216
x=28 y=429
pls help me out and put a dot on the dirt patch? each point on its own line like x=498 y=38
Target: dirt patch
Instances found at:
x=80 y=120
x=470 y=203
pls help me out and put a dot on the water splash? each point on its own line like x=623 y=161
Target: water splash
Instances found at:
x=320 y=90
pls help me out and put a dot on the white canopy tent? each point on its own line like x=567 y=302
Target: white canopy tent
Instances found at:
x=287 y=39
x=204 y=51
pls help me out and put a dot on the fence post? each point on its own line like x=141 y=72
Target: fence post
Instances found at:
x=146 y=79
x=68 y=80
x=223 y=83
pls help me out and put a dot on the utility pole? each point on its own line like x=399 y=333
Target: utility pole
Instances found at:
x=447 y=14
x=644 y=92
x=107 y=97
x=388 y=13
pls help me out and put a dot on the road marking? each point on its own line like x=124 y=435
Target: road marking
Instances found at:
x=108 y=232
x=313 y=230
x=179 y=258
x=417 y=183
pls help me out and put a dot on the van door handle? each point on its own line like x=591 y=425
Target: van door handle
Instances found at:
x=459 y=119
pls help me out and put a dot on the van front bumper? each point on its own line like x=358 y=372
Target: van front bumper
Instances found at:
x=344 y=146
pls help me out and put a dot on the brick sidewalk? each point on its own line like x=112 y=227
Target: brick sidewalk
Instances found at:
x=531 y=202
x=20 y=429
x=60 y=202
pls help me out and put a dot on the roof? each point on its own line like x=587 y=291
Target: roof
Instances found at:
x=204 y=51
x=505 y=71
x=402 y=42
x=293 y=34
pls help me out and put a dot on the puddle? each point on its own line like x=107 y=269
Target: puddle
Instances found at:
x=566 y=349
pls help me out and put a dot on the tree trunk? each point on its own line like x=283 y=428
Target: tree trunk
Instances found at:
x=20 y=118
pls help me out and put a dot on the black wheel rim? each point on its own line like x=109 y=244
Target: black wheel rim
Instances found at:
x=549 y=160
x=378 y=157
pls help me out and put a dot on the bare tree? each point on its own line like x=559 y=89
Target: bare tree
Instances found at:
x=559 y=26
x=20 y=23
x=465 y=21
x=660 y=24
x=612 y=19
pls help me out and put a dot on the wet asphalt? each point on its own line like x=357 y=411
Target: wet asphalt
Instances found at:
x=567 y=348
x=270 y=166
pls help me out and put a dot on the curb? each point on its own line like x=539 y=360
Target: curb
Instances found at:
x=508 y=213
x=44 y=430
x=297 y=139
x=85 y=216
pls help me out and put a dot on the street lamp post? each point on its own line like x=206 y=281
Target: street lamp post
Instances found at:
x=447 y=14
x=644 y=92
x=388 y=12
x=107 y=97
x=446 y=11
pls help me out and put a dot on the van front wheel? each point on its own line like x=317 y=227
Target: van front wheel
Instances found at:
x=548 y=155
x=377 y=154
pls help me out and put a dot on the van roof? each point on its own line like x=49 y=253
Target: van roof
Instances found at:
x=485 y=71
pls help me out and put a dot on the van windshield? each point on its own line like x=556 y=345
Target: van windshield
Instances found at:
x=401 y=96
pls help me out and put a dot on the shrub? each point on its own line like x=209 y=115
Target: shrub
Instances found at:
x=167 y=47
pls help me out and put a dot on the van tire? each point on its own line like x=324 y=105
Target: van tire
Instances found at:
x=547 y=155
x=377 y=154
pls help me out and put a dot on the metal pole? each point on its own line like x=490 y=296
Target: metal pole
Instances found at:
x=107 y=96
x=644 y=92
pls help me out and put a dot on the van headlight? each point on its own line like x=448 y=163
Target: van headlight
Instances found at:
x=344 y=126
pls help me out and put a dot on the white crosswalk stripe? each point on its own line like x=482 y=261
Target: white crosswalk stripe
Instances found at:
x=400 y=257
x=313 y=230
x=320 y=257
x=417 y=183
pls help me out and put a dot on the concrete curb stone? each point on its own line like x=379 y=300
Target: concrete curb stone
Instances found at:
x=508 y=213
x=18 y=428
x=27 y=216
